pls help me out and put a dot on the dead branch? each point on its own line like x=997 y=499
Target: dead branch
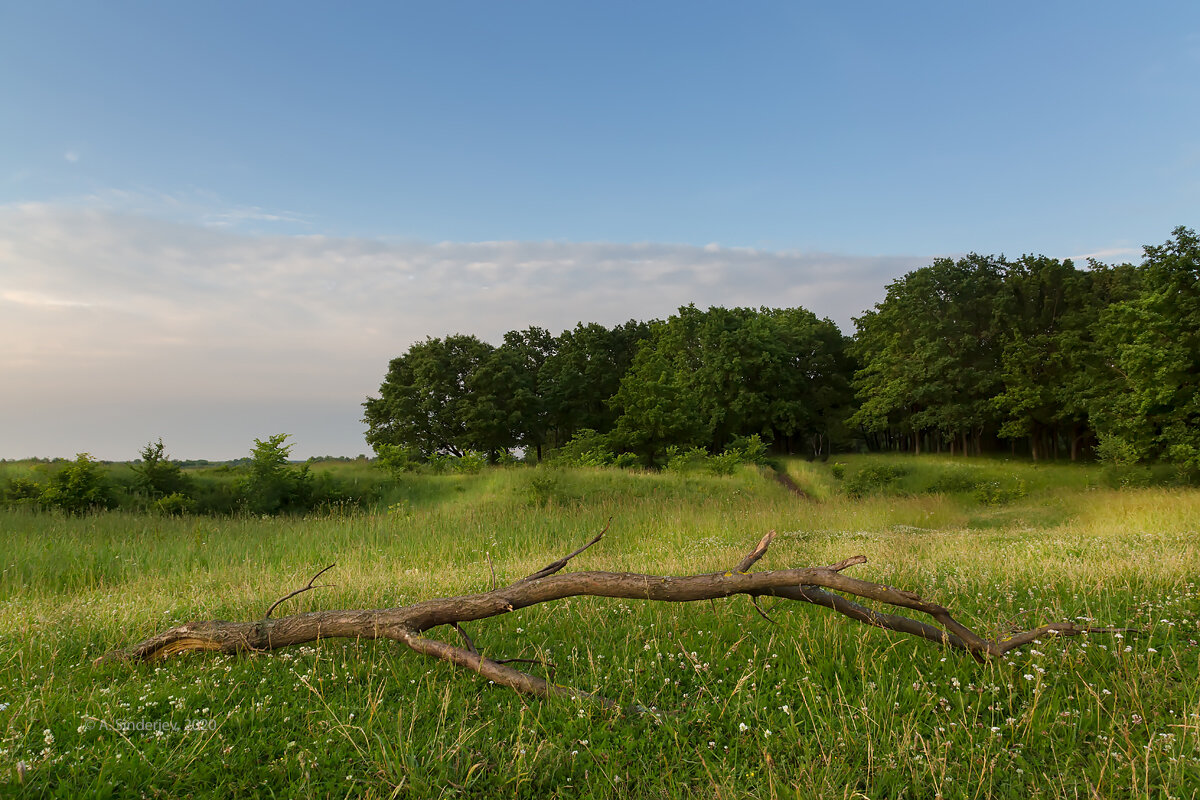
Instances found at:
x=302 y=590
x=822 y=586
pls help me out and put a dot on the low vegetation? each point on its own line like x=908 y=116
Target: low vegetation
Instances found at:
x=811 y=706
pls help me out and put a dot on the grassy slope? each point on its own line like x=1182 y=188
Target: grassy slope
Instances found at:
x=830 y=708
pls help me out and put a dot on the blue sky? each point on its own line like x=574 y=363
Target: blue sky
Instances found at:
x=171 y=172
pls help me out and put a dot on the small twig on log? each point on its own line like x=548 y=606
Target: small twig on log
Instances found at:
x=309 y=587
x=555 y=566
x=465 y=637
x=761 y=613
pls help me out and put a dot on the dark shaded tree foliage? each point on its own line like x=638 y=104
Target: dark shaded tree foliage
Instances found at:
x=1152 y=342
x=584 y=372
x=963 y=354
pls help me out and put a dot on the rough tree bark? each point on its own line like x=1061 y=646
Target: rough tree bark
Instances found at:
x=823 y=586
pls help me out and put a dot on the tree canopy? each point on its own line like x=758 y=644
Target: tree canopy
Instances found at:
x=1036 y=355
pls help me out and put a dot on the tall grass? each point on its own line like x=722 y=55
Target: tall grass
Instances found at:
x=812 y=706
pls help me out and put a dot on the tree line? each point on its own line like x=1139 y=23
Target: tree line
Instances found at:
x=697 y=379
x=1036 y=355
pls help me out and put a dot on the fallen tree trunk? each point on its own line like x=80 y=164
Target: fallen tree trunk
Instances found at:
x=823 y=586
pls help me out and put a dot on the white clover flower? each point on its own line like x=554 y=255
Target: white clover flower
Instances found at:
x=743 y=727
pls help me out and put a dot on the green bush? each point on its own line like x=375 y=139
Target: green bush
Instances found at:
x=689 y=460
x=438 y=463
x=1116 y=451
x=748 y=449
x=397 y=460
x=546 y=488
x=174 y=504
x=838 y=471
x=627 y=461
x=995 y=493
x=470 y=462
x=156 y=475
x=1127 y=476
x=79 y=487
x=272 y=485
x=22 y=492
x=586 y=448
x=724 y=464
x=216 y=493
x=952 y=481
x=873 y=479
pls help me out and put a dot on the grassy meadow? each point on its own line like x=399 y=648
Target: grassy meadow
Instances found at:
x=813 y=706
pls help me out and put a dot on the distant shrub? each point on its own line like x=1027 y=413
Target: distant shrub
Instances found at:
x=438 y=463
x=1116 y=451
x=507 y=459
x=586 y=448
x=470 y=462
x=546 y=487
x=995 y=493
x=156 y=475
x=748 y=449
x=724 y=464
x=216 y=494
x=272 y=485
x=627 y=461
x=79 y=487
x=599 y=457
x=22 y=491
x=396 y=460
x=689 y=460
x=1127 y=476
x=873 y=479
x=952 y=481
x=174 y=504
x=838 y=471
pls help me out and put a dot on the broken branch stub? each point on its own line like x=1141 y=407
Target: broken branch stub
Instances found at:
x=822 y=586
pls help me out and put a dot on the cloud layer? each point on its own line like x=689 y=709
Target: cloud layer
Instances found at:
x=119 y=328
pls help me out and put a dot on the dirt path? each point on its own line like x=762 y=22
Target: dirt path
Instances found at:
x=786 y=481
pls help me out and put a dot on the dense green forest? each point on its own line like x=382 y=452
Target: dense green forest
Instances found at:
x=1034 y=356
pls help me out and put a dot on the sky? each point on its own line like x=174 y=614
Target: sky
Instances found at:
x=219 y=221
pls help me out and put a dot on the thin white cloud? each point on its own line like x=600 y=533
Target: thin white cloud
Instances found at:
x=235 y=216
x=121 y=319
x=40 y=300
x=1108 y=253
x=71 y=156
